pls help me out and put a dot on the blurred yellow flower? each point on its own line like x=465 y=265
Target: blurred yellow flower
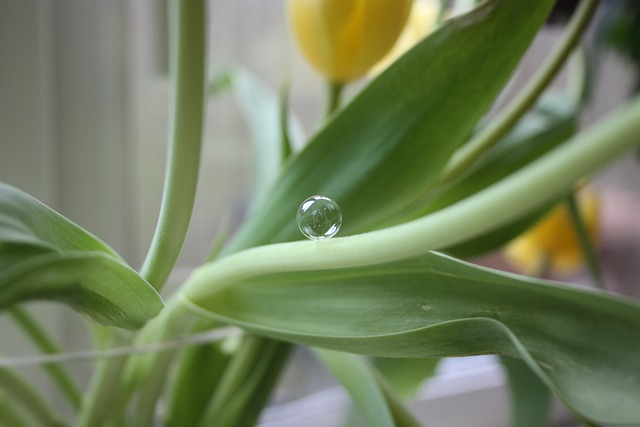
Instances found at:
x=422 y=21
x=343 y=39
x=552 y=244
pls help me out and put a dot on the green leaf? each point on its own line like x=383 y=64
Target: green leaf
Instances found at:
x=581 y=344
x=101 y=288
x=357 y=378
x=45 y=256
x=389 y=144
x=530 y=397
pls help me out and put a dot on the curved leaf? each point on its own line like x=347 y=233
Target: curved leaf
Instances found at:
x=389 y=144
x=93 y=283
x=582 y=344
x=43 y=255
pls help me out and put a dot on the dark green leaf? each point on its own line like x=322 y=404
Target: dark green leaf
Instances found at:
x=389 y=144
x=582 y=344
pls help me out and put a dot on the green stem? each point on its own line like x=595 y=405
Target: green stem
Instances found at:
x=101 y=396
x=491 y=134
x=334 y=97
x=176 y=321
x=41 y=339
x=283 y=104
x=579 y=79
x=22 y=393
x=187 y=118
x=185 y=140
x=586 y=244
x=539 y=182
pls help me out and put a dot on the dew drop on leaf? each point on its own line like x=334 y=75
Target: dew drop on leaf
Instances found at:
x=319 y=217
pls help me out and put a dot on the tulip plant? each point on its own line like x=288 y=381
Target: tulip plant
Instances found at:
x=425 y=178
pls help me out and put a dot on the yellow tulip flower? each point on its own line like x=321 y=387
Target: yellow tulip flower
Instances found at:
x=422 y=21
x=552 y=244
x=344 y=38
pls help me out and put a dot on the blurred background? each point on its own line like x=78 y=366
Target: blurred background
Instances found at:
x=84 y=94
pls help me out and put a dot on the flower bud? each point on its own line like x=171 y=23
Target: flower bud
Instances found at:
x=344 y=38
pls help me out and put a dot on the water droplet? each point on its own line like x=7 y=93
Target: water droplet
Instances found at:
x=319 y=217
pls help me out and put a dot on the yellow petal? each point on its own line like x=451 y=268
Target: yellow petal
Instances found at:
x=342 y=39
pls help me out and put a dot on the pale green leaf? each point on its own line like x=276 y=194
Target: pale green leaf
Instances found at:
x=582 y=344
x=43 y=255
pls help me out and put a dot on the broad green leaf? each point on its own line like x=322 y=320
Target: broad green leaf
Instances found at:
x=582 y=344
x=388 y=145
x=530 y=397
x=357 y=378
x=45 y=256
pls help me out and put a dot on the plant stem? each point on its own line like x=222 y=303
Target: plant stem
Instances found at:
x=491 y=134
x=176 y=321
x=42 y=340
x=185 y=140
x=334 y=97
x=283 y=104
x=586 y=244
x=579 y=78
x=101 y=397
x=186 y=128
